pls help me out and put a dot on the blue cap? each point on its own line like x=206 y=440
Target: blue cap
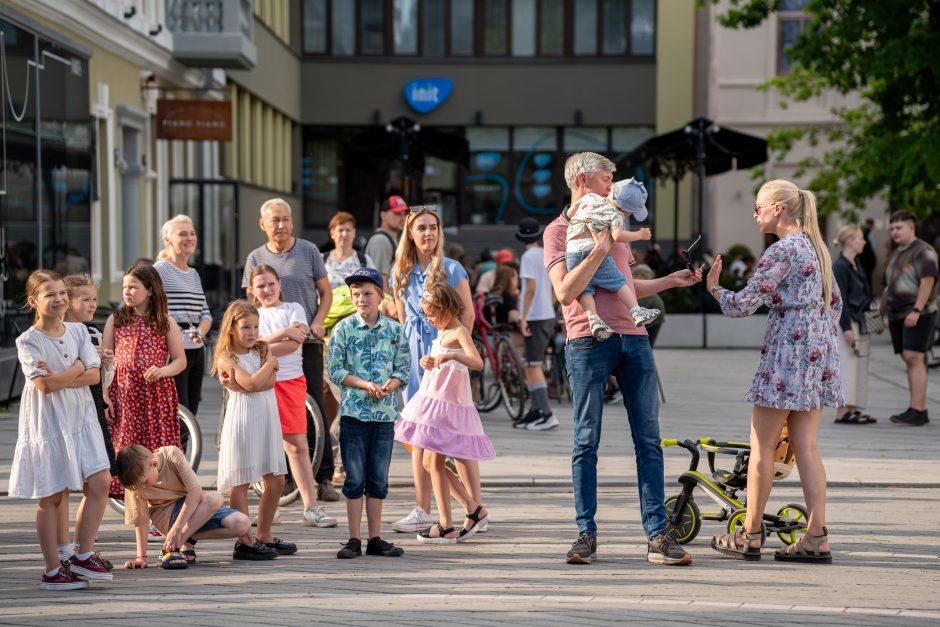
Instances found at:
x=630 y=195
x=365 y=274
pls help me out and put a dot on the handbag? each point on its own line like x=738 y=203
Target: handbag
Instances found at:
x=873 y=318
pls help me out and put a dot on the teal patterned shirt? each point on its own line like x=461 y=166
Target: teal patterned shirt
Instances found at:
x=376 y=355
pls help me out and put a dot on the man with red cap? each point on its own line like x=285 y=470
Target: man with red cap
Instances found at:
x=381 y=246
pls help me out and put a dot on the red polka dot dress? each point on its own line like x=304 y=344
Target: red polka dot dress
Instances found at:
x=144 y=411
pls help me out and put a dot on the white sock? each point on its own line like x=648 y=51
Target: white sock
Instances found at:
x=65 y=551
x=53 y=572
x=84 y=556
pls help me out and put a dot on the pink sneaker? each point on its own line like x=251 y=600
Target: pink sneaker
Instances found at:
x=63 y=580
x=91 y=568
x=153 y=535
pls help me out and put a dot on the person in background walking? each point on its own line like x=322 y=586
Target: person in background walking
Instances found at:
x=867 y=258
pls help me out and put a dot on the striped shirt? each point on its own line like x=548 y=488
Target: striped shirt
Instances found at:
x=184 y=295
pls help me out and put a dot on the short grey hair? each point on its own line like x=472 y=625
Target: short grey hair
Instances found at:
x=167 y=229
x=275 y=201
x=586 y=163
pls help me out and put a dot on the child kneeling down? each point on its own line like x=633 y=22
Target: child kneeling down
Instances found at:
x=161 y=487
x=369 y=359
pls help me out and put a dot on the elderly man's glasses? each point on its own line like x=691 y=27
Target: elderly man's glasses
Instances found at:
x=687 y=254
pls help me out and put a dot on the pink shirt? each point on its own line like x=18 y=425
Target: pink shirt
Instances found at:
x=609 y=307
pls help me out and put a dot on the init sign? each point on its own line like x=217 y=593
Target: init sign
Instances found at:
x=427 y=94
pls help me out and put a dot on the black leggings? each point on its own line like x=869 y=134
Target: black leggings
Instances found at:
x=189 y=382
x=313 y=371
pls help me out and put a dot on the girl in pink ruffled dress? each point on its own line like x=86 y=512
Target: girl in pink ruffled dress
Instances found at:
x=441 y=417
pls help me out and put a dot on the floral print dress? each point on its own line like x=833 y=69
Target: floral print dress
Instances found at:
x=799 y=366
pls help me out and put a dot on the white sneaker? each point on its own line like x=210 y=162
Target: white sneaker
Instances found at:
x=599 y=328
x=276 y=521
x=316 y=517
x=153 y=535
x=644 y=316
x=417 y=520
x=544 y=423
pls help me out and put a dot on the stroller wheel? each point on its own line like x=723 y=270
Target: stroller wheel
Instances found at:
x=737 y=521
x=798 y=515
x=688 y=523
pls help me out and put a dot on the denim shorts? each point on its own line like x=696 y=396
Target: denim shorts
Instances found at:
x=213 y=523
x=367 y=452
x=607 y=276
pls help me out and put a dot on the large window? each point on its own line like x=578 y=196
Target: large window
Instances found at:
x=791 y=21
x=479 y=28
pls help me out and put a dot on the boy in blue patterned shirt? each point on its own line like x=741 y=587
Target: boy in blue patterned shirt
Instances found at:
x=369 y=359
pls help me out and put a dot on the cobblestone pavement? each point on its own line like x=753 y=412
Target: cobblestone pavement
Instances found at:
x=882 y=511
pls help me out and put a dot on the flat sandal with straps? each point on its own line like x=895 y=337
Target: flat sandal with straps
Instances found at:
x=425 y=537
x=727 y=544
x=478 y=521
x=801 y=555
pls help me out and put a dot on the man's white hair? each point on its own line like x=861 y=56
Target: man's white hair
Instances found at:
x=275 y=201
x=586 y=163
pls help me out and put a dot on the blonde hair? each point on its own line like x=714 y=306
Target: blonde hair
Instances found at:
x=846 y=233
x=75 y=281
x=132 y=462
x=224 y=347
x=35 y=281
x=256 y=272
x=586 y=163
x=800 y=205
x=406 y=253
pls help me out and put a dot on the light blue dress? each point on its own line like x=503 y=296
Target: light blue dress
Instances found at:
x=418 y=330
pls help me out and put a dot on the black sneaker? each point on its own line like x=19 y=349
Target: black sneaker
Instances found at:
x=663 y=549
x=584 y=550
x=257 y=551
x=352 y=548
x=531 y=416
x=911 y=417
x=378 y=546
x=282 y=548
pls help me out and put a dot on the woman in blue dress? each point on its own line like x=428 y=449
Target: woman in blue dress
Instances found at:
x=419 y=259
x=799 y=366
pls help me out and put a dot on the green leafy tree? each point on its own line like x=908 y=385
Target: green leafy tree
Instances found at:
x=888 y=53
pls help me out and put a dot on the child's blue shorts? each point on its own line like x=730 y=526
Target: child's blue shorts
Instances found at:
x=213 y=523
x=608 y=275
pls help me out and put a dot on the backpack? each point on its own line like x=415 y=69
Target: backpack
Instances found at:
x=391 y=240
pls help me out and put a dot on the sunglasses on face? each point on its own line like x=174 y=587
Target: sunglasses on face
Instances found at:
x=687 y=254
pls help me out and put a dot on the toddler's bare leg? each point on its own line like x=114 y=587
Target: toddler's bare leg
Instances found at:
x=587 y=302
x=626 y=296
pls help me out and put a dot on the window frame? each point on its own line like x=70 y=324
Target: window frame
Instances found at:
x=804 y=19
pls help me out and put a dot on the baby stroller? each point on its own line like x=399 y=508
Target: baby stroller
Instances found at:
x=684 y=518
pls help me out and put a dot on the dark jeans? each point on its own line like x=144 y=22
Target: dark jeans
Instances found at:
x=590 y=364
x=366 y=448
x=313 y=370
x=189 y=382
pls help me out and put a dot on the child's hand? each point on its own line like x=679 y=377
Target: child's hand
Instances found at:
x=442 y=359
x=296 y=333
x=427 y=362
x=391 y=385
x=107 y=357
x=173 y=540
x=374 y=390
x=41 y=365
x=137 y=562
x=153 y=373
x=645 y=233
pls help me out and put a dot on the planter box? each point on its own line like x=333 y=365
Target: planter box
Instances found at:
x=687 y=330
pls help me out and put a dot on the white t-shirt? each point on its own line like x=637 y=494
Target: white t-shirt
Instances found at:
x=273 y=319
x=532 y=268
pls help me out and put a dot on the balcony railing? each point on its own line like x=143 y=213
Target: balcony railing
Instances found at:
x=212 y=33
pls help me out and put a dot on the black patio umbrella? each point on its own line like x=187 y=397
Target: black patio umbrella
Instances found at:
x=700 y=146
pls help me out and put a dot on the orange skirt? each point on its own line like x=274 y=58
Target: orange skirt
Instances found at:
x=291 y=404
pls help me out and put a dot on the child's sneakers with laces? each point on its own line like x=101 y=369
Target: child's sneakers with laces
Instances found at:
x=643 y=316
x=378 y=546
x=352 y=548
x=90 y=567
x=154 y=535
x=414 y=522
x=62 y=579
x=599 y=328
x=316 y=517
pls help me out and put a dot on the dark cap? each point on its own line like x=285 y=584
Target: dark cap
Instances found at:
x=395 y=204
x=365 y=274
x=529 y=230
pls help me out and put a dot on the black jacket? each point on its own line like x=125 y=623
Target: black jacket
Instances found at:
x=856 y=296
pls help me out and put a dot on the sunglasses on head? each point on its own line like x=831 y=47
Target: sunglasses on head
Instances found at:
x=688 y=254
x=423 y=209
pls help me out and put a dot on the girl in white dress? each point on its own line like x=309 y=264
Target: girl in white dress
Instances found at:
x=60 y=446
x=250 y=448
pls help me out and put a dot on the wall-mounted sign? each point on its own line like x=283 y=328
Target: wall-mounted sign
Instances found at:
x=427 y=94
x=200 y=120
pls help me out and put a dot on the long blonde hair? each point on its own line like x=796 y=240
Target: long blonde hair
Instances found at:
x=407 y=252
x=800 y=206
x=237 y=310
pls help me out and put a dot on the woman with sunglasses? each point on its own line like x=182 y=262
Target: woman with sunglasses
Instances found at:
x=420 y=260
x=799 y=367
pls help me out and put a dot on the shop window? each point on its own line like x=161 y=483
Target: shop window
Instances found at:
x=791 y=22
x=643 y=27
x=614 y=27
x=586 y=138
x=623 y=139
x=405 y=26
x=320 y=181
x=488 y=181
x=538 y=180
x=585 y=27
x=314 y=24
x=523 y=28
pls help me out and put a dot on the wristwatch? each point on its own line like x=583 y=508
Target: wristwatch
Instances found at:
x=917 y=310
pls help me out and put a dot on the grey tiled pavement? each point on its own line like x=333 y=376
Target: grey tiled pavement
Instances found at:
x=882 y=513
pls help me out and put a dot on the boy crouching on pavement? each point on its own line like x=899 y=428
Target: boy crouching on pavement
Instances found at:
x=161 y=487
x=369 y=359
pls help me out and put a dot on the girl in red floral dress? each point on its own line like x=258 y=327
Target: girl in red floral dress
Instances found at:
x=142 y=401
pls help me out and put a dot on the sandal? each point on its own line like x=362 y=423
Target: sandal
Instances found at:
x=425 y=537
x=190 y=553
x=173 y=560
x=478 y=521
x=800 y=554
x=855 y=417
x=727 y=544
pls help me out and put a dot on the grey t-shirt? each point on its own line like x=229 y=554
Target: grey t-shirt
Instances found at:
x=382 y=251
x=299 y=268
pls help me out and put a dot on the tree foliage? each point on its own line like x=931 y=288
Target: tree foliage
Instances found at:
x=888 y=54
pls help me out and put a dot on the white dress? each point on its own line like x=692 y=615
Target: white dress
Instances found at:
x=59 y=444
x=251 y=444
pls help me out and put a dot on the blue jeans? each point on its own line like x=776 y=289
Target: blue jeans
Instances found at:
x=590 y=363
x=366 y=448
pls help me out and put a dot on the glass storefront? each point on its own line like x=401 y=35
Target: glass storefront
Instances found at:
x=45 y=166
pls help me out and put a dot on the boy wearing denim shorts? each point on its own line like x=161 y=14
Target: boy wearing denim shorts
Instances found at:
x=369 y=359
x=161 y=487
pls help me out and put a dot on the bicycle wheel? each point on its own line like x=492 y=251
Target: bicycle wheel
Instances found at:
x=485 y=388
x=512 y=385
x=191 y=444
x=316 y=441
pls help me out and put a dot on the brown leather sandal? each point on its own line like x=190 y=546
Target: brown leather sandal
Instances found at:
x=727 y=544
x=800 y=554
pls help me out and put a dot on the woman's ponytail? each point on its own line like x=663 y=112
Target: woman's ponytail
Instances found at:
x=810 y=224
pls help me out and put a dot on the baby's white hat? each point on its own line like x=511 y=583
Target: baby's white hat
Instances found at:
x=630 y=195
